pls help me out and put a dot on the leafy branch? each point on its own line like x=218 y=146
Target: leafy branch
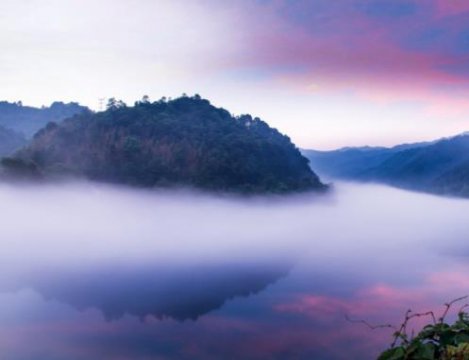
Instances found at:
x=437 y=340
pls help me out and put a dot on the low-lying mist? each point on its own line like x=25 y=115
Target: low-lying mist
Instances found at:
x=79 y=223
x=123 y=254
x=76 y=222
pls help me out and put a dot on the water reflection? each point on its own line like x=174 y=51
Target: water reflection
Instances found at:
x=300 y=315
x=260 y=279
x=178 y=291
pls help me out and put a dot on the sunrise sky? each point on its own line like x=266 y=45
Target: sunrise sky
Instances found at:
x=327 y=73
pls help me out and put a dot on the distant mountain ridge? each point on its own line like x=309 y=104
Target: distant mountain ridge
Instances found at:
x=10 y=141
x=27 y=120
x=440 y=166
x=350 y=162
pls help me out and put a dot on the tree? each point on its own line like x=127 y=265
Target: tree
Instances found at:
x=113 y=104
x=181 y=142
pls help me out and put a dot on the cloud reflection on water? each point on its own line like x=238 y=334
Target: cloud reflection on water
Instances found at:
x=264 y=278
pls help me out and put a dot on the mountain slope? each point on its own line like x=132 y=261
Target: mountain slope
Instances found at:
x=424 y=163
x=28 y=120
x=351 y=162
x=440 y=166
x=346 y=163
x=10 y=141
x=186 y=141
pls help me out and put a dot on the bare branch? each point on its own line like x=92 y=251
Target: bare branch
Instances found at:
x=448 y=306
x=461 y=309
x=428 y=313
x=400 y=334
x=373 y=327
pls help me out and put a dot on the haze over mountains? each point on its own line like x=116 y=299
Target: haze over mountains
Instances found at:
x=27 y=120
x=10 y=141
x=18 y=123
x=188 y=142
x=440 y=166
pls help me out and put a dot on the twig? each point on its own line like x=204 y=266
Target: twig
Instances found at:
x=401 y=332
x=448 y=306
x=373 y=327
x=462 y=308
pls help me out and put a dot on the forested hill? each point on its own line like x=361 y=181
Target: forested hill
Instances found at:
x=182 y=142
x=26 y=120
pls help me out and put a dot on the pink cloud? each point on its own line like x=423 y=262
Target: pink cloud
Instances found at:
x=344 y=49
x=451 y=7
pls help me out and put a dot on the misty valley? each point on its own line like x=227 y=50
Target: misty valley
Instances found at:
x=234 y=180
x=173 y=229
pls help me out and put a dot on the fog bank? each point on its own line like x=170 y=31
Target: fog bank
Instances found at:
x=78 y=222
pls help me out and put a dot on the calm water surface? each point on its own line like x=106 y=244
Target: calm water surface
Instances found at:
x=96 y=272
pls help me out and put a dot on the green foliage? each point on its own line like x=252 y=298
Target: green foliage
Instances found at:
x=183 y=142
x=113 y=104
x=438 y=340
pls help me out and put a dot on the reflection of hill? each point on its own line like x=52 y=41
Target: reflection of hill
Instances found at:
x=180 y=292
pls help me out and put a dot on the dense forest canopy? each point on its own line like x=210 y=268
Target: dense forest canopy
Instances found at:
x=26 y=120
x=184 y=142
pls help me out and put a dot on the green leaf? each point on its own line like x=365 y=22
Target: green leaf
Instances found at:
x=461 y=338
x=397 y=353
x=447 y=338
x=426 y=352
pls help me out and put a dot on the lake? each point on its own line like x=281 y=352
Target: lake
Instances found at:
x=99 y=272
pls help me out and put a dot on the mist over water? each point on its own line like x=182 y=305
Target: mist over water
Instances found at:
x=101 y=221
x=87 y=222
x=83 y=264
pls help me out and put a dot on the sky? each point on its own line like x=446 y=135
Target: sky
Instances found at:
x=326 y=73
